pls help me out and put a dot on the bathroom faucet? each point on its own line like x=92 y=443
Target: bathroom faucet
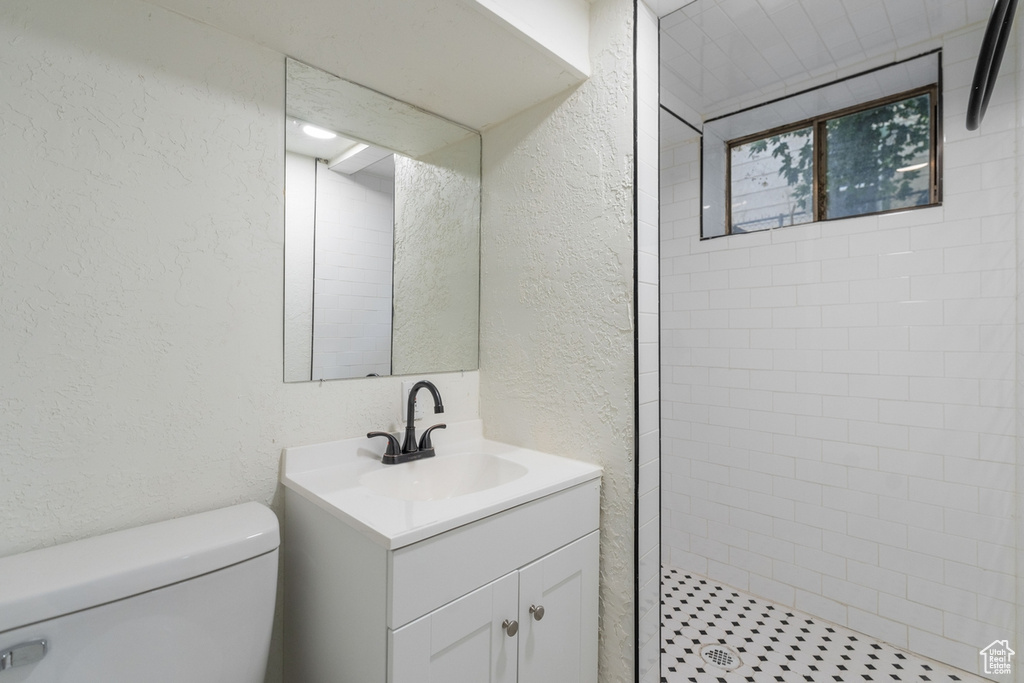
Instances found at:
x=410 y=450
x=424 y=449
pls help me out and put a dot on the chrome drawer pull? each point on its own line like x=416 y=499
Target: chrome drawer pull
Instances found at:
x=23 y=654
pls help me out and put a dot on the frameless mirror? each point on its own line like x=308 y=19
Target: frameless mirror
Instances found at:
x=382 y=234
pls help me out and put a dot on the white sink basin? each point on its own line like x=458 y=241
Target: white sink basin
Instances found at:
x=442 y=477
x=396 y=505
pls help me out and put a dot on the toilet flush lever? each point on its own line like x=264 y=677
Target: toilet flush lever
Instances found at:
x=23 y=654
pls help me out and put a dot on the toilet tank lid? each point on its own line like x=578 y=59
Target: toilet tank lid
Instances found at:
x=47 y=583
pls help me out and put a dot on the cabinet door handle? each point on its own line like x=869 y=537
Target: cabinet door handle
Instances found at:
x=23 y=654
x=511 y=627
x=537 y=611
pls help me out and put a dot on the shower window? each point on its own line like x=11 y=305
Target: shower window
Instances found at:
x=874 y=158
x=770 y=181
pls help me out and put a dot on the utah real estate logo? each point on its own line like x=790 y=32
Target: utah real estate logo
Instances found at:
x=997 y=657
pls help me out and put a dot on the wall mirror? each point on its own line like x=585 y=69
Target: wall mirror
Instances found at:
x=382 y=234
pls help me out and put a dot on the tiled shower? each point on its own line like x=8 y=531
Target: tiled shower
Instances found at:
x=839 y=423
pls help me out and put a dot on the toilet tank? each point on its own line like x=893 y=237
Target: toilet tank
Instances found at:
x=187 y=600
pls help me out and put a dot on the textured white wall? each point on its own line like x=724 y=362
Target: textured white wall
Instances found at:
x=840 y=420
x=437 y=257
x=141 y=276
x=557 y=337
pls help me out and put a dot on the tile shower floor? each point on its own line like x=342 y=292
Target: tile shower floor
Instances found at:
x=712 y=633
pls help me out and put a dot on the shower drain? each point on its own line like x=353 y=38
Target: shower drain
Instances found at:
x=720 y=656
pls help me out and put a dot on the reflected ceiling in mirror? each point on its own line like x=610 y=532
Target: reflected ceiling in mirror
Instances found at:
x=382 y=234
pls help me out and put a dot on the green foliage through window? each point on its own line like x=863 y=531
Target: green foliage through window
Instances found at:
x=871 y=160
x=771 y=181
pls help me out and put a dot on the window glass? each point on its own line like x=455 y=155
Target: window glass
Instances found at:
x=854 y=162
x=771 y=181
x=878 y=159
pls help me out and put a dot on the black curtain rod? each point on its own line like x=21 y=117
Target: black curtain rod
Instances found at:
x=992 y=47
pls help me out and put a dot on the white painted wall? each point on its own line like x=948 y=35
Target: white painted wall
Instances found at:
x=141 y=277
x=648 y=425
x=557 y=309
x=839 y=405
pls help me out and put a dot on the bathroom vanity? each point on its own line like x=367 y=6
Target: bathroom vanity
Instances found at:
x=477 y=565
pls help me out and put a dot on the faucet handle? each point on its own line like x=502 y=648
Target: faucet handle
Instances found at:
x=393 y=447
x=425 y=437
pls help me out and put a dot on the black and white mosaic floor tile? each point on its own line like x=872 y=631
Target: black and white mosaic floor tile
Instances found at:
x=712 y=633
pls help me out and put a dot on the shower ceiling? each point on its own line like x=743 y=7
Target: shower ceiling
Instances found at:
x=718 y=56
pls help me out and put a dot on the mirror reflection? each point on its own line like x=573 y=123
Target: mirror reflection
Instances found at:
x=382 y=234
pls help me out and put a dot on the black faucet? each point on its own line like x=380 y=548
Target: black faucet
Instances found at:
x=411 y=450
x=424 y=449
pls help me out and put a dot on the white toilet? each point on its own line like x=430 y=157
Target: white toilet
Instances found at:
x=187 y=600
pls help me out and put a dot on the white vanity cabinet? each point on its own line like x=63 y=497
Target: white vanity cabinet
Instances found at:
x=439 y=609
x=534 y=625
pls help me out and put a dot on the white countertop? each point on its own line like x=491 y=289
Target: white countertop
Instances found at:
x=328 y=475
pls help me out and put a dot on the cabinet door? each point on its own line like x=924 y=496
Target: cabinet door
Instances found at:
x=462 y=642
x=561 y=646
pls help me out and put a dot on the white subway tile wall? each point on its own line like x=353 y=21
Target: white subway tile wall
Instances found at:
x=353 y=275
x=649 y=508
x=838 y=411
